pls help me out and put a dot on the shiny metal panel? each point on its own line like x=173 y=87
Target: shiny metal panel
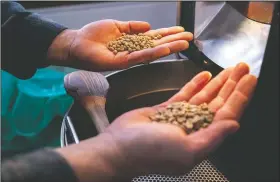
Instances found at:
x=227 y=37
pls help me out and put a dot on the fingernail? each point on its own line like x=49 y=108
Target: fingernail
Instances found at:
x=234 y=128
x=203 y=78
x=185 y=46
x=191 y=36
x=243 y=65
x=181 y=28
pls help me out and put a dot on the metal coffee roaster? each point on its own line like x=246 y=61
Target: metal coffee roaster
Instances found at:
x=225 y=34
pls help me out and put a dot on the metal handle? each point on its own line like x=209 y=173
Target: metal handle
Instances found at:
x=90 y=89
x=186 y=15
x=186 y=19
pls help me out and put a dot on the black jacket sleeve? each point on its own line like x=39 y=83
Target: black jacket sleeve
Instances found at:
x=40 y=166
x=26 y=38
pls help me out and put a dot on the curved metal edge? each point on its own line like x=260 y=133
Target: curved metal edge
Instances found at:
x=63 y=129
x=178 y=16
x=72 y=129
x=178 y=19
x=154 y=62
x=62 y=135
x=67 y=122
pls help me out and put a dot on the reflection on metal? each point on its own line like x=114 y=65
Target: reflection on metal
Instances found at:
x=67 y=125
x=227 y=37
x=258 y=11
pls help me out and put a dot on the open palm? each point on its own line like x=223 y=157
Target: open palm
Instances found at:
x=165 y=148
x=89 y=49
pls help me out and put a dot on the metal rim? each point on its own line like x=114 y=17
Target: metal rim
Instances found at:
x=67 y=122
x=154 y=62
x=62 y=135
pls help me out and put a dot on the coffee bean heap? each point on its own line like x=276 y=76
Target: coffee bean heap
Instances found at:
x=187 y=116
x=131 y=43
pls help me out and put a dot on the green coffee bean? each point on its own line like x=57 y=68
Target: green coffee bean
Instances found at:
x=188 y=117
x=131 y=43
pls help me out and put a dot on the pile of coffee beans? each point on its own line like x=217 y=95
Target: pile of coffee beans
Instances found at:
x=131 y=43
x=187 y=116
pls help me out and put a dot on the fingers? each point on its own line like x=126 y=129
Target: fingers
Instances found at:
x=174 y=37
x=192 y=87
x=132 y=26
x=140 y=27
x=176 y=46
x=239 y=71
x=174 y=40
x=237 y=101
x=148 y=55
x=208 y=139
x=166 y=31
x=212 y=88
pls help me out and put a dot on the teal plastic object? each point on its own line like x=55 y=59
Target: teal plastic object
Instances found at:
x=8 y=94
x=38 y=100
x=8 y=88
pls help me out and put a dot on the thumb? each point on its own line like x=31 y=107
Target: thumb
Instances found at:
x=208 y=139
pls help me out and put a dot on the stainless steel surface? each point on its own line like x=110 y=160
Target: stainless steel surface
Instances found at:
x=203 y=172
x=72 y=130
x=63 y=141
x=67 y=125
x=258 y=11
x=227 y=37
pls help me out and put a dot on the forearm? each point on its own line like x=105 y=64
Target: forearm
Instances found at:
x=26 y=38
x=43 y=166
x=97 y=159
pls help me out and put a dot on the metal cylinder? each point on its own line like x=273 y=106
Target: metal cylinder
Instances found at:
x=258 y=11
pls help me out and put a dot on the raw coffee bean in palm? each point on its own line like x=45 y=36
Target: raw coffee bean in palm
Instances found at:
x=187 y=116
x=131 y=43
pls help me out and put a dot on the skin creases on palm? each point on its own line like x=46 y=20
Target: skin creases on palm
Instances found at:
x=227 y=94
x=136 y=137
x=90 y=46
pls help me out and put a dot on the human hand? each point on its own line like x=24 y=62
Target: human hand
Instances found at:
x=146 y=147
x=133 y=146
x=86 y=48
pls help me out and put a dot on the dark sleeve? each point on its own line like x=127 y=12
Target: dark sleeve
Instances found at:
x=26 y=38
x=40 y=166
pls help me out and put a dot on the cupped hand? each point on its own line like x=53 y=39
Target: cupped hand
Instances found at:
x=86 y=48
x=144 y=147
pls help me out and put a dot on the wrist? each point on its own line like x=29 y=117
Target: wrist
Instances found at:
x=59 y=51
x=96 y=159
